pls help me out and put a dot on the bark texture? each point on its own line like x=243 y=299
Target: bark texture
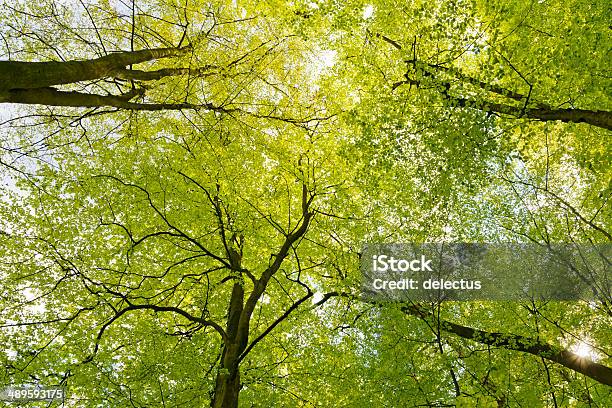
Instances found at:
x=601 y=119
x=32 y=75
x=53 y=97
x=33 y=83
x=227 y=386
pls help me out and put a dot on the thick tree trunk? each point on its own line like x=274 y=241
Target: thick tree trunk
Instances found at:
x=53 y=97
x=29 y=75
x=227 y=386
x=601 y=119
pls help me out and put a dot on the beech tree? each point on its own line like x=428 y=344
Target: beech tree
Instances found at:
x=189 y=187
x=32 y=82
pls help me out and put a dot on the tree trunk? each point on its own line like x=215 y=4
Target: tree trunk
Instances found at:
x=227 y=386
x=601 y=119
x=596 y=371
x=53 y=97
x=29 y=75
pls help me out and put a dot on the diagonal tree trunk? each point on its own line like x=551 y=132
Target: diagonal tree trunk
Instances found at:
x=543 y=112
x=30 y=75
x=601 y=119
x=530 y=345
x=566 y=358
x=32 y=83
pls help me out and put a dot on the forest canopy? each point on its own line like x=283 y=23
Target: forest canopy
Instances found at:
x=188 y=187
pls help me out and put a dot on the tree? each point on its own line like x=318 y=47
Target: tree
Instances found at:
x=200 y=246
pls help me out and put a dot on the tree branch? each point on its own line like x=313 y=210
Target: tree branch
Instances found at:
x=157 y=309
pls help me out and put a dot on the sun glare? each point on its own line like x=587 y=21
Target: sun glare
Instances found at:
x=584 y=350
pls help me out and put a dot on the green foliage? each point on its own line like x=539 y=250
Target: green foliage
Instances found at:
x=105 y=209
